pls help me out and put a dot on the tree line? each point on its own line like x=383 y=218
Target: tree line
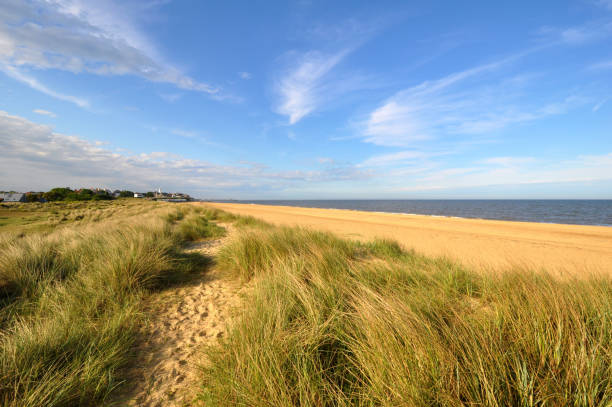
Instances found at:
x=84 y=194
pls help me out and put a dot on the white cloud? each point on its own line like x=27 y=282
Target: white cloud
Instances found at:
x=311 y=79
x=516 y=171
x=44 y=112
x=302 y=89
x=476 y=101
x=40 y=159
x=245 y=75
x=99 y=37
x=35 y=84
x=599 y=105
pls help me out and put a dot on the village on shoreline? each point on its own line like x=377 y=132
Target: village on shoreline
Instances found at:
x=90 y=194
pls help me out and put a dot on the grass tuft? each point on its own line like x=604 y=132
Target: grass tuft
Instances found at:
x=332 y=322
x=71 y=299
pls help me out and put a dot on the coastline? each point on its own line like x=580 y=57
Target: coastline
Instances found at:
x=483 y=243
x=431 y=215
x=537 y=211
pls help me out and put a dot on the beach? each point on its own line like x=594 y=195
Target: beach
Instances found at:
x=485 y=244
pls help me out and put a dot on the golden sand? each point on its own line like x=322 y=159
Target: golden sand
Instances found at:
x=490 y=244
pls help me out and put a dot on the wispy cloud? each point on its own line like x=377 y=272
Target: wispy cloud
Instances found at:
x=40 y=158
x=516 y=171
x=579 y=34
x=245 y=75
x=599 y=105
x=476 y=101
x=35 y=84
x=98 y=37
x=303 y=88
x=44 y=112
x=312 y=79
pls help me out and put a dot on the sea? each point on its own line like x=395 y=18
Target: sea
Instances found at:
x=578 y=211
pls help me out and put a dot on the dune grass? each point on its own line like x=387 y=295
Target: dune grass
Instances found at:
x=70 y=299
x=332 y=322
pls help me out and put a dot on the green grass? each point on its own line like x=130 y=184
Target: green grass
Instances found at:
x=70 y=299
x=37 y=217
x=196 y=227
x=328 y=321
x=332 y=322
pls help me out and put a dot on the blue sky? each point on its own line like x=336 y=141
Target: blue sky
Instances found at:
x=309 y=99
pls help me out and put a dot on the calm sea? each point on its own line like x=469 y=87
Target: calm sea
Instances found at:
x=580 y=212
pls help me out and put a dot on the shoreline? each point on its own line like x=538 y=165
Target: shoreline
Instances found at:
x=605 y=225
x=517 y=218
x=484 y=243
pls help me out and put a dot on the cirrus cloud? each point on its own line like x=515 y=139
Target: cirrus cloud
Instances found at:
x=99 y=37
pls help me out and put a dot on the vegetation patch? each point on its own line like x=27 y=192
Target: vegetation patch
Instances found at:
x=332 y=322
x=70 y=299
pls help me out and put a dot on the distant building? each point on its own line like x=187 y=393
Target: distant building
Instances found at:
x=138 y=195
x=12 y=197
x=116 y=193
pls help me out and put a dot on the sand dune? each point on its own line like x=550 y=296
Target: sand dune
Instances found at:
x=482 y=243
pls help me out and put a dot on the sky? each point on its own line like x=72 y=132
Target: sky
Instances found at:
x=308 y=99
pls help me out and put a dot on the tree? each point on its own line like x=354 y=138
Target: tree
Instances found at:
x=57 y=194
x=150 y=194
x=34 y=196
x=126 y=194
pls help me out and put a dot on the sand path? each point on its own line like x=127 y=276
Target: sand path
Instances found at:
x=482 y=243
x=183 y=319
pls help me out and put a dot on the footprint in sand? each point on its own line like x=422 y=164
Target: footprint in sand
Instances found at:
x=165 y=372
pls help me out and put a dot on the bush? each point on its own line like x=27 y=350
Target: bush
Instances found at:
x=57 y=194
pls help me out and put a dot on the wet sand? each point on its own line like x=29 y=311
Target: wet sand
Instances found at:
x=487 y=244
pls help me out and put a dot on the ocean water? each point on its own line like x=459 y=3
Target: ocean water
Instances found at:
x=579 y=212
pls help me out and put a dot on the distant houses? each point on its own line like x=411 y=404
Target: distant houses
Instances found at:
x=87 y=194
x=12 y=197
x=170 y=197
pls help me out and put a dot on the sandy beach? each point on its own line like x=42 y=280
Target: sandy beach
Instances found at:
x=488 y=244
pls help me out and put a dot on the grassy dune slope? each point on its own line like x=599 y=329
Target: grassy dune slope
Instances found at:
x=336 y=322
x=70 y=298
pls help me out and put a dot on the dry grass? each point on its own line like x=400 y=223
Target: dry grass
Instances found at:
x=70 y=299
x=332 y=322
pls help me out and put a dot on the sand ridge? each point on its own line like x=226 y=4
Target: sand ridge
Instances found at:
x=488 y=244
x=183 y=319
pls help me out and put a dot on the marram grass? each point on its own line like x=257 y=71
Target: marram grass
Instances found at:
x=332 y=322
x=70 y=300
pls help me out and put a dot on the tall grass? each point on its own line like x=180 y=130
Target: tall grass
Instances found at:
x=332 y=322
x=71 y=301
